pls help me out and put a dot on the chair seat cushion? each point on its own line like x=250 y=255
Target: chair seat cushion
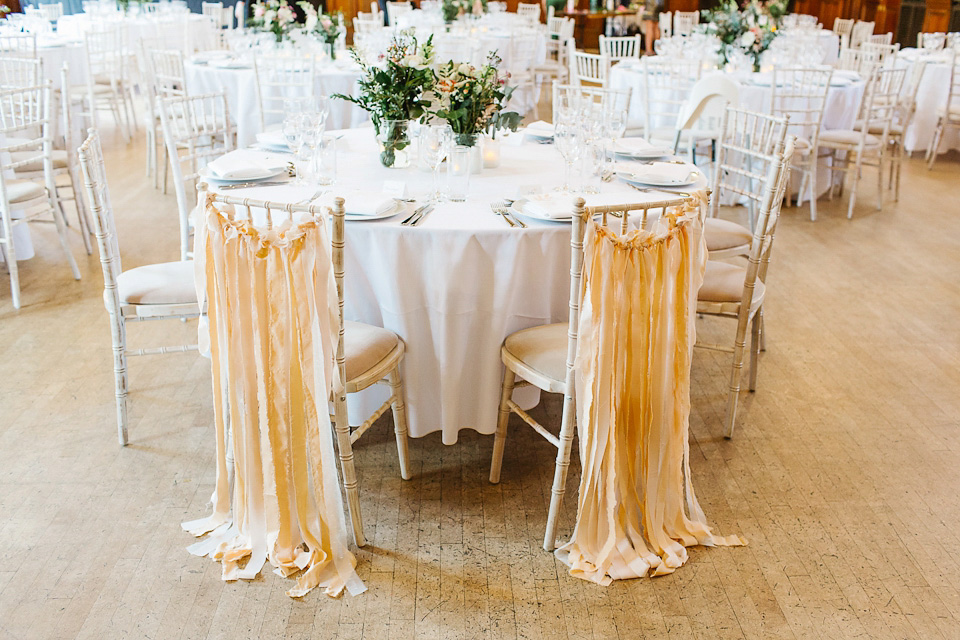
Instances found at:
x=365 y=346
x=23 y=190
x=876 y=127
x=723 y=234
x=723 y=282
x=846 y=138
x=59 y=157
x=161 y=283
x=542 y=349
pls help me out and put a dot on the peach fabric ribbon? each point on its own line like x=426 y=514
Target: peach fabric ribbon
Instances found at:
x=272 y=310
x=636 y=337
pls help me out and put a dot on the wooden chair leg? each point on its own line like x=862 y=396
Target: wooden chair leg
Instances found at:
x=500 y=439
x=400 y=421
x=934 y=145
x=347 y=469
x=813 y=188
x=755 y=327
x=567 y=427
x=10 y=256
x=858 y=168
x=880 y=183
x=735 y=375
x=62 y=233
x=118 y=335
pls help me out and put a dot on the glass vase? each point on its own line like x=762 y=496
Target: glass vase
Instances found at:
x=393 y=138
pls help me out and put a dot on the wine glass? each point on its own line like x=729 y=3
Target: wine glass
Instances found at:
x=434 y=147
x=293 y=134
x=567 y=139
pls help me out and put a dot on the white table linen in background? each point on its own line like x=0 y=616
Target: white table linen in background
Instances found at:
x=456 y=285
x=931 y=95
x=199 y=28
x=240 y=86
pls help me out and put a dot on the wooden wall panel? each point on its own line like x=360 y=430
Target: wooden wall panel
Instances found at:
x=937 y=16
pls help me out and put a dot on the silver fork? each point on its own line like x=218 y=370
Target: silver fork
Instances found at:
x=498 y=207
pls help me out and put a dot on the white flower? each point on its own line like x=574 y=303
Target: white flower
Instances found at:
x=285 y=15
x=747 y=39
x=465 y=69
x=763 y=20
x=416 y=61
x=311 y=22
x=268 y=17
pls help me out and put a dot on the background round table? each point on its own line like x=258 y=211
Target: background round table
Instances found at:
x=456 y=285
x=931 y=95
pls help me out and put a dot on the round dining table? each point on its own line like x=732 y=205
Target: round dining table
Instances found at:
x=455 y=285
x=237 y=79
x=931 y=95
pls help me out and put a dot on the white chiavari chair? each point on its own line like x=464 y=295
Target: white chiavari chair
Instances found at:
x=684 y=22
x=365 y=23
x=221 y=16
x=16 y=72
x=906 y=110
x=530 y=11
x=149 y=292
x=879 y=38
x=107 y=86
x=167 y=79
x=25 y=130
x=196 y=129
x=18 y=45
x=800 y=94
x=588 y=68
x=753 y=161
x=948 y=114
x=365 y=354
x=150 y=8
x=543 y=356
x=665 y=22
x=51 y=11
x=699 y=117
x=863 y=62
x=397 y=9
x=843 y=27
x=665 y=88
x=931 y=41
x=852 y=149
x=618 y=48
x=861 y=33
x=886 y=54
x=805 y=21
x=604 y=98
x=556 y=66
x=279 y=79
x=521 y=53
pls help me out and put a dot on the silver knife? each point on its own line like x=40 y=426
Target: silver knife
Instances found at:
x=247 y=185
x=416 y=212
x=423 y=214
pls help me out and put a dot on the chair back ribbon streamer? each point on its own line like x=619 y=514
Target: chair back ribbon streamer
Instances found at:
x=273 y=330
x=635 y=344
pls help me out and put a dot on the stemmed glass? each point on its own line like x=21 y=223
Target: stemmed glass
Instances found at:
x=591 y=131
x=567 y=139
x=434 y=146
x=293 y=133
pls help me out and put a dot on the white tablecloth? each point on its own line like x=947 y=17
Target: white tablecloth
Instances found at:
x=931 y=95
x=240 y=86
x=199 y=28
x=456 y=285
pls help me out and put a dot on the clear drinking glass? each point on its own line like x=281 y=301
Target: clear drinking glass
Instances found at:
x=325 y=161
x=458 y=172
x=568 y=142
x=293 y=134
x=434 y=148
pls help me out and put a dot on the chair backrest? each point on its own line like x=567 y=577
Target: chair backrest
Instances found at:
x=708 y=101
x=908 y=97
x=800 y=93
x=279 y=79
x=25 y=127
x=861 y=33
x=20 y=72
x=98 y=201
x=666 y=87
x=167 y=74
x=608 y=99
x=196 y=129
x=665 y=22
x=150 y=7
x=886 y=53
x=51 y=11
x=881 y=100
x=843 y=26
x=879 y=38
x=593 y=68
x=529 y=11
x=618 y=48
x=748 y=147
x=931 y=41
x=363 y=24
x=105 y=54
x=863 y=62
x=18 y=45
x=684 y=22
x=397 y=9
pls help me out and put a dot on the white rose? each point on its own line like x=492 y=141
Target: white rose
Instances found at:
x=416 y=61
x=268 y=17
x=465 y=69
x=747 y=39
x=763 y=20
x=311 y=22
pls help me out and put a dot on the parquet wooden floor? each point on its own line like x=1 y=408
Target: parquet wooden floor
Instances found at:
x=844 y=473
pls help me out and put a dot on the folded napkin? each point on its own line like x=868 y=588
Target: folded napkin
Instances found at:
x=244 y=164
x=658 y=172
x=360 y=203
x=540 y=128
x=638 y=146
x=547 y=205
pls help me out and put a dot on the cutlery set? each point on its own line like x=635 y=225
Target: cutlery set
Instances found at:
x=417 y=216
x=502 y=209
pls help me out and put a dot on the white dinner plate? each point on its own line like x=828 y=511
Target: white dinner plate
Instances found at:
x=517 y=208
x=641 y=154
x=263 y=175
x=386 y=213
x=634 y=178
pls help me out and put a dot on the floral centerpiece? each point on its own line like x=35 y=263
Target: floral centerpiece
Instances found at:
x=275 y=17
x=395 y=90
x=326 y=28
x=749 y=30
x=452 y=9
x=472 y=99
